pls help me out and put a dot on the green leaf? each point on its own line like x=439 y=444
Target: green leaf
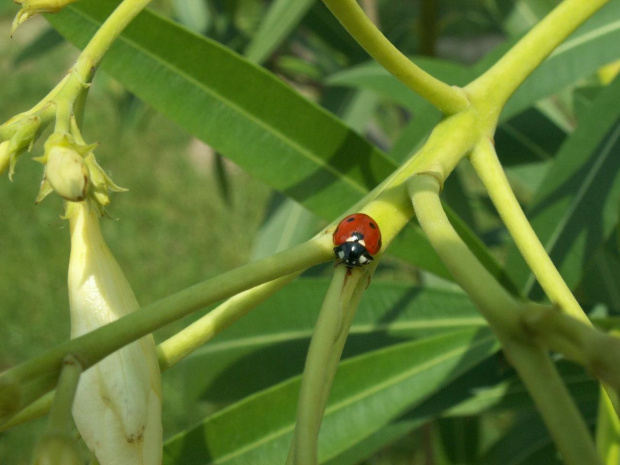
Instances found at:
x=238 y=108
x=369 y=391
x=577 y=205
x=415 y=132
x=488 y=387
x=287 y=224
x=528 y=137
x=460 y=438
x=593 y=45
x=42 y=44
x=271 y=342
x=601 y=281
x=194 y=14
x=281 y=18
x=322 y=22
x=510 y=394
x=456 y=392
x=245 y=113
x=528 y=442
x=525 y=14
x=372 y=76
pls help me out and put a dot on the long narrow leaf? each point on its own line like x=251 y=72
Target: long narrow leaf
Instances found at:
x=593 y=45
x=281 y=18
x=246 y=114
x=369 y=391
x=243 y=112
x=238 y=108
x=270 y=344
x=578 y=203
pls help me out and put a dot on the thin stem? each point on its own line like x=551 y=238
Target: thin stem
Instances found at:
x=496 y=85
x=109 y=31
x=183 y=343
x=330 y=334
x=94 y=346
x=448 y=99
x=179 y=346
x=489 y=169
x=502 y=311
x=60 y=418
x=607 y=431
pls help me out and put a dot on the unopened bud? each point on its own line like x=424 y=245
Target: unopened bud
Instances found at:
x=66 y=171
x=57 y=449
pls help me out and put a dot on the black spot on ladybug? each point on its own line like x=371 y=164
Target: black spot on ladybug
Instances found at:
x=350 y=219
x=372 y=225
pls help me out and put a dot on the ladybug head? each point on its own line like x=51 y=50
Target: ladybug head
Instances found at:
x=352 y=254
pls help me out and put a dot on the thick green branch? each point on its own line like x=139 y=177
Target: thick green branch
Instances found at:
x=502 y=311
x=448 y=99
x=495 y=86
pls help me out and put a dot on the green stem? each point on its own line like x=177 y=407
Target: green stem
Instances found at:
x=577 y=340
x=543 y=382
x=109 y=31
x=502 y=311
x=179 y=346
x=498 y=306
x=497 y=84
x=94 y=346
x=328 y=340
x=489 y=169
x=61 y=419
x=607 y=431
x=447 y=98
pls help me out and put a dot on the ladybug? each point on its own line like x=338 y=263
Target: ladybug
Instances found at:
x=357 y=238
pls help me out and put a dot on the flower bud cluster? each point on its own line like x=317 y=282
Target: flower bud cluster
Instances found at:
x=72 y=171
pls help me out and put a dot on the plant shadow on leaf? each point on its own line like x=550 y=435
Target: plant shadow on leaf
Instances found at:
x=269 y=365
x=378 y=385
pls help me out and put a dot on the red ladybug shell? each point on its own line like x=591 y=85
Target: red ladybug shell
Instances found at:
x=361 y=226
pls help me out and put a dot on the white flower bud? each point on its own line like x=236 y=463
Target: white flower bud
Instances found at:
x=117 y=407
